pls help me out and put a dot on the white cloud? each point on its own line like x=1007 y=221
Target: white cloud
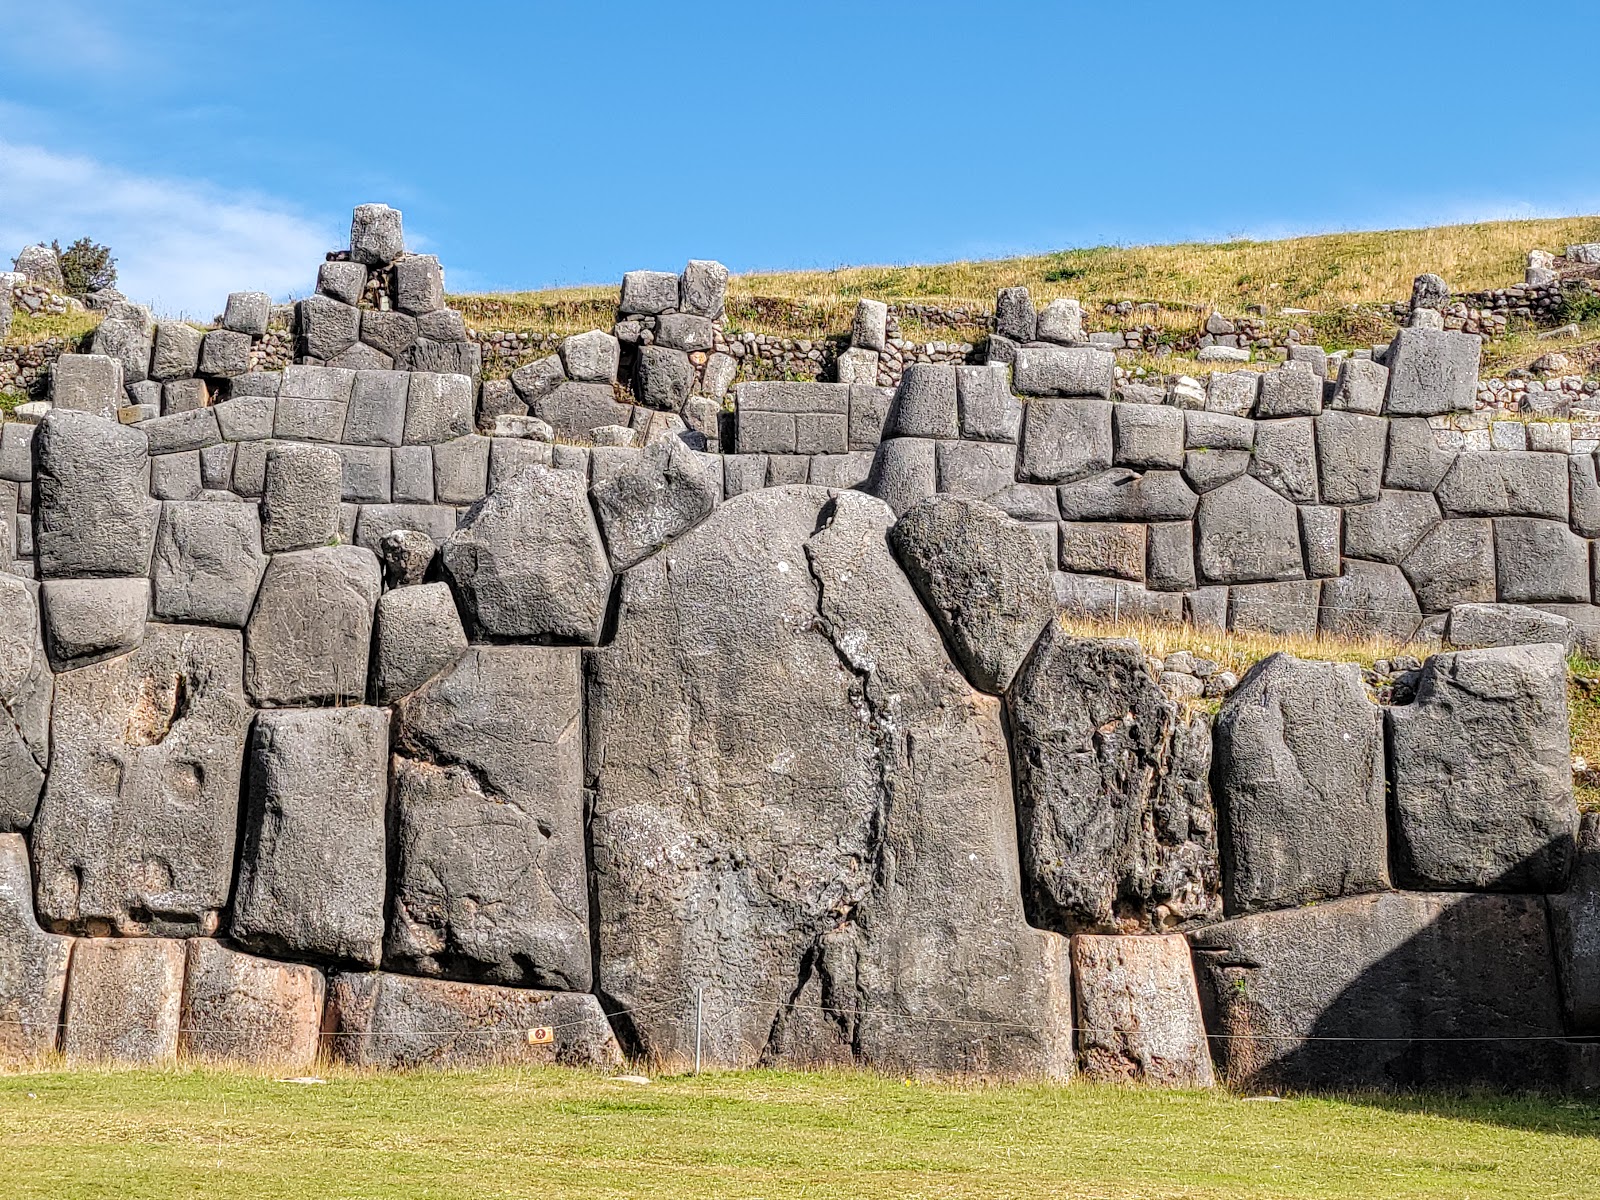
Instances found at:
x=181 y=245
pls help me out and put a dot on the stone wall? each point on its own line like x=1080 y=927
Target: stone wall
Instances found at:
x=363 y=711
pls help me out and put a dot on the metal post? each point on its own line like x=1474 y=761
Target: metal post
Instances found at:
x=699 y=995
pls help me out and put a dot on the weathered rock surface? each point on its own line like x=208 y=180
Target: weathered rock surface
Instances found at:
x=529 y=563
x=208 y=563
x=241 y=1009
x=1117 y=827
x=1299 y=786
x=124 y=999
x=1248 y=533
x=1575 y=933
x=136 y=830
x=644 y=499
x=982 y=578
x=1482 y=773
x=416 y=635
x=382 y=1020
x=490 y=879
x=308 y=636
x=1139 y=1012
x=26 y=689
x=86 y=620
x=33 y=963
x=750 y=848
x=300 y=503
x=93 y=514
x=312 y=867
x=1375 y=991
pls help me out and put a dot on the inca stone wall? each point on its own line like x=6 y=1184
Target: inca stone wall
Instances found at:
x=368 y=710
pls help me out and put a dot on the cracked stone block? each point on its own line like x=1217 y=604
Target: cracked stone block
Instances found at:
x=1139 y=1011
x=308 y=636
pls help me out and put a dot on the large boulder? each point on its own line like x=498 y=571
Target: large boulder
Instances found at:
x=308 y=636
x=33 y=963
x=86 y=620
x=1299 y=786
x=124 y=1001
x=26 y=689
x=490 y=879
x=208 y=562
x=312 y=868
x=395 y=1021
x=136 y=830
x=1139 y=1012
x=982 y=577
x=1247 y=534
x=416 y=635
x=1118 y=833
x=1482 y=773
x=241 y=1009
x=647 y=498
x=817 y=834
x=92 y=510
x=528 y=562
x=1392 y=990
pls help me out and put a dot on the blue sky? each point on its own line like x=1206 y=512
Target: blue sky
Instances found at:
x=221 y=145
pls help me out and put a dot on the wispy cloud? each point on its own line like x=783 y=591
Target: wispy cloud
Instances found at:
x=181 y=245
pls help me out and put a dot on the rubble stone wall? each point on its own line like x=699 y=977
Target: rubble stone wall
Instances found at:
x=371 y=711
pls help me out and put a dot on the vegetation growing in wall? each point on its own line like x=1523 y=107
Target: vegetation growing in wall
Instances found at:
x=86 y=266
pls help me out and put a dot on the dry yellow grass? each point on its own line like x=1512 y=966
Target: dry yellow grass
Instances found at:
x=1322 y=272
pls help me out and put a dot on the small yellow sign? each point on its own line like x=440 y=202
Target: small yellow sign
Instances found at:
x=541 y=1035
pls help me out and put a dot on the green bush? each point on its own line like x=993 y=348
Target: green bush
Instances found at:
x=86 y=266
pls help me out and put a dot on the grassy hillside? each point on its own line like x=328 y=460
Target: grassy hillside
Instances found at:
x=1324 y=272
x=532 y=1133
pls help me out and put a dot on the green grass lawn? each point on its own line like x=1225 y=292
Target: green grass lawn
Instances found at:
x=552 y=1133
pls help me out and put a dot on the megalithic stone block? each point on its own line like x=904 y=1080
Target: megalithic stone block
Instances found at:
x=124 y=1001
x=241 y=1009
x=33 y=963
x=1139 y=1011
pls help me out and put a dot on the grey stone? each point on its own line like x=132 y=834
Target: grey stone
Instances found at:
x=327 y=327
x=247 y=312
x=1388 y=530
x=208 y=563
x=1320 y=537
x=376 y=237
x=461 y=470
x=1218 y=431
x=576 y=410
x=1289 y=392
x=975 y=469
x=86 y=620
x=129 y=340
x=1506 y=483
x=1540 y=561
x=507 y=456
x=1482 y=775
x=418 y=284
x=1014 y=315
x=406 y=555
x=364 y=474
x=247 y=418
x=93 y=514
x=1431 y=372
x=490 y=867
x=1139 y=1011
x=1350 y=457
x=1061 y=321
x=1288 y=609
x=307 y=638
x=1453 y=564
x=1351 y=993
x=1429 y=291
x=312 y=866
x=1474 y=626
x=1170 y=563
x=498 y=398
x=904 y=471
x=300 y=497
x=867 y=327
x=528 y=562
x=26 y=689
x=1299 y=783
x=417 y=634
x=538 y=379
x=646 y=499
x=33 y=964
x=1584 y=493
x=1574 y=926
x=411 y=474
x=717 y=376
x=1125 y=495
x=819 y=433
x=703 y=288
x=377 y=521
x=1064 y=371
x=647 y=293
x=135 y=834
x=811 y=722
x=123 y=1001
x=1000 y=350
x=442 y=325
x=1361 y=387
x=438 y=408
x=184 y=395
x=224 y=353
x=182 y=431
x=850 y=470
x=344 y=281
x=1232 y=393
x=1115 y=600
x=680 y=331
x=766 y=432
x=1285 y=458
x=376 y=414
x=1148 y=435
x=980 y=576
x=925 y=404
x=87 y=383
x=240 y=1009
x=1204 y=470
x=390 y=1022
x=748 y=473
x=175 y=476
x=1115 y=817
x=1312 y=358
x=857 y=366
x=1415 y=460
x=984 y=403
x=391 y=333
x=1370 y=601
x=591 y=357
x=1103 y=548
x=1064 y=440
x=255 y=383
x=662 y=378
x=40 y=264
x=1247 y=533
